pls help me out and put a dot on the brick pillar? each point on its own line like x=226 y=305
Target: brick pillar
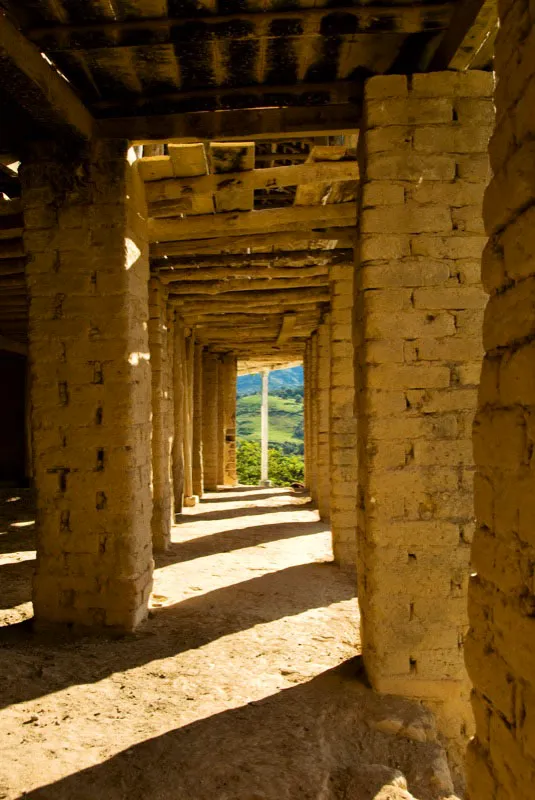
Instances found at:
x=343 y=425
x=197 y=467
x=500 y=651
x=423 y=171
x=323 y=383
x=179 y=407
x=220 y=423
x=190 y=499
x=306 y=415
x=87 y=274
x=313 y=405
x=210 y=420
x=228 y=371
x=162 y=436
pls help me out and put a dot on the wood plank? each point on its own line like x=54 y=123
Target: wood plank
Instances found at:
x=252 y=222
x=386 y=19
x=36 y=86
x=166 y=191
x=231 y=158
x=190 y=161
x=287 y=328
x=299 y=258
x=228 y=273
x=187 y=288
x=464 y=17
x=326 y=240
x=477 y=46
x=257 y=123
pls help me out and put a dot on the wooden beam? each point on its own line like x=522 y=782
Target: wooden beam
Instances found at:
x=226 y=274
x=252 y=222
x=259 y=123
x=34 y=84
x=477 y=48
x=464 y=16
x=290 y=260
x=216 y=288
x=287 y=328
x=163 y=195
x=377 y=18
x=12 y=346
x=323 y=240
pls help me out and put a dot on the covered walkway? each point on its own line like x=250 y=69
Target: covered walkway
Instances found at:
x=239 y=685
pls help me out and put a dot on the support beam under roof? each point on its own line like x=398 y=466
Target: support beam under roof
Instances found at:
x=257 y=123
x=31 y=81
x=464 y=17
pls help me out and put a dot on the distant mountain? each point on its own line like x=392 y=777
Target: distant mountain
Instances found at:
x=251 y=384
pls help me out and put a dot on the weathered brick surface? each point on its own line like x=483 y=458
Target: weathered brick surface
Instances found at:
x=210 y=420
x=87 y=278
x=314 y=433
x=500 y=654
x=179 y=412
x=228 y=371
x=418 y=343
x=162 y=422
x=197 y=466
x=323 y=381
x=343 y=424
x=189 y=370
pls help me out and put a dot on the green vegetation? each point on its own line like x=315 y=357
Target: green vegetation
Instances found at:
x=283 y=469
x=286 y=440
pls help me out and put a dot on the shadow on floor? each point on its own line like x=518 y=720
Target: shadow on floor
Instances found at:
x=243 y=511
x=309 y=741
x=171 y=630
x=219 y=497
x=227 y=541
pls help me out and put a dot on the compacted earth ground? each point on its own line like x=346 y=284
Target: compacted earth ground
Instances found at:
x=245 y=683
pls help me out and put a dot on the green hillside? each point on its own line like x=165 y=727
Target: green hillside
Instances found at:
x=285 y=420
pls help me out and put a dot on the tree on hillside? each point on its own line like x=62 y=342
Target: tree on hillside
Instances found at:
x=283 y=469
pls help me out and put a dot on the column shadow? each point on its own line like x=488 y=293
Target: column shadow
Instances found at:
x=314 y=740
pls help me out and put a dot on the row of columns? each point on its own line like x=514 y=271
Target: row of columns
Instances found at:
x=395 y=431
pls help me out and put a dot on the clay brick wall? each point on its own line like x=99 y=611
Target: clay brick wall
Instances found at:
x=162 y=422
x=424 y=169
x=228 y=377
x=197 y=466
x=179 y=411
x=314 y=432
x=306 y=414
x=189 y=363
x=323 y=379
x=500 y=651
x=343 y=424
x=87 y=278
x=210 y=421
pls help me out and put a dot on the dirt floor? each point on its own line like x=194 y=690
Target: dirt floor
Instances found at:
x=244 y=684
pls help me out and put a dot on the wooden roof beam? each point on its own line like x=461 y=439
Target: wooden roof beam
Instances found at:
x=34 y=84
x=381 y=18
x=290 y=260
x=320 y=239
x=252 y=222
x=237 y=125
x=287 y=328
x=464 y=17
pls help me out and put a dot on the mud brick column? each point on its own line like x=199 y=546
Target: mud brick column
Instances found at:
x=220 y=423
x=343 y=425
x=323 y=381
x=500 y=650
x=179 y=409
x=197 y=466
x=313 y=405
x=228 y=371
x=162 y=437
x=87 y=277
x=210 y=420
x=190 y=499
x=306 y=413
x=418 y=339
